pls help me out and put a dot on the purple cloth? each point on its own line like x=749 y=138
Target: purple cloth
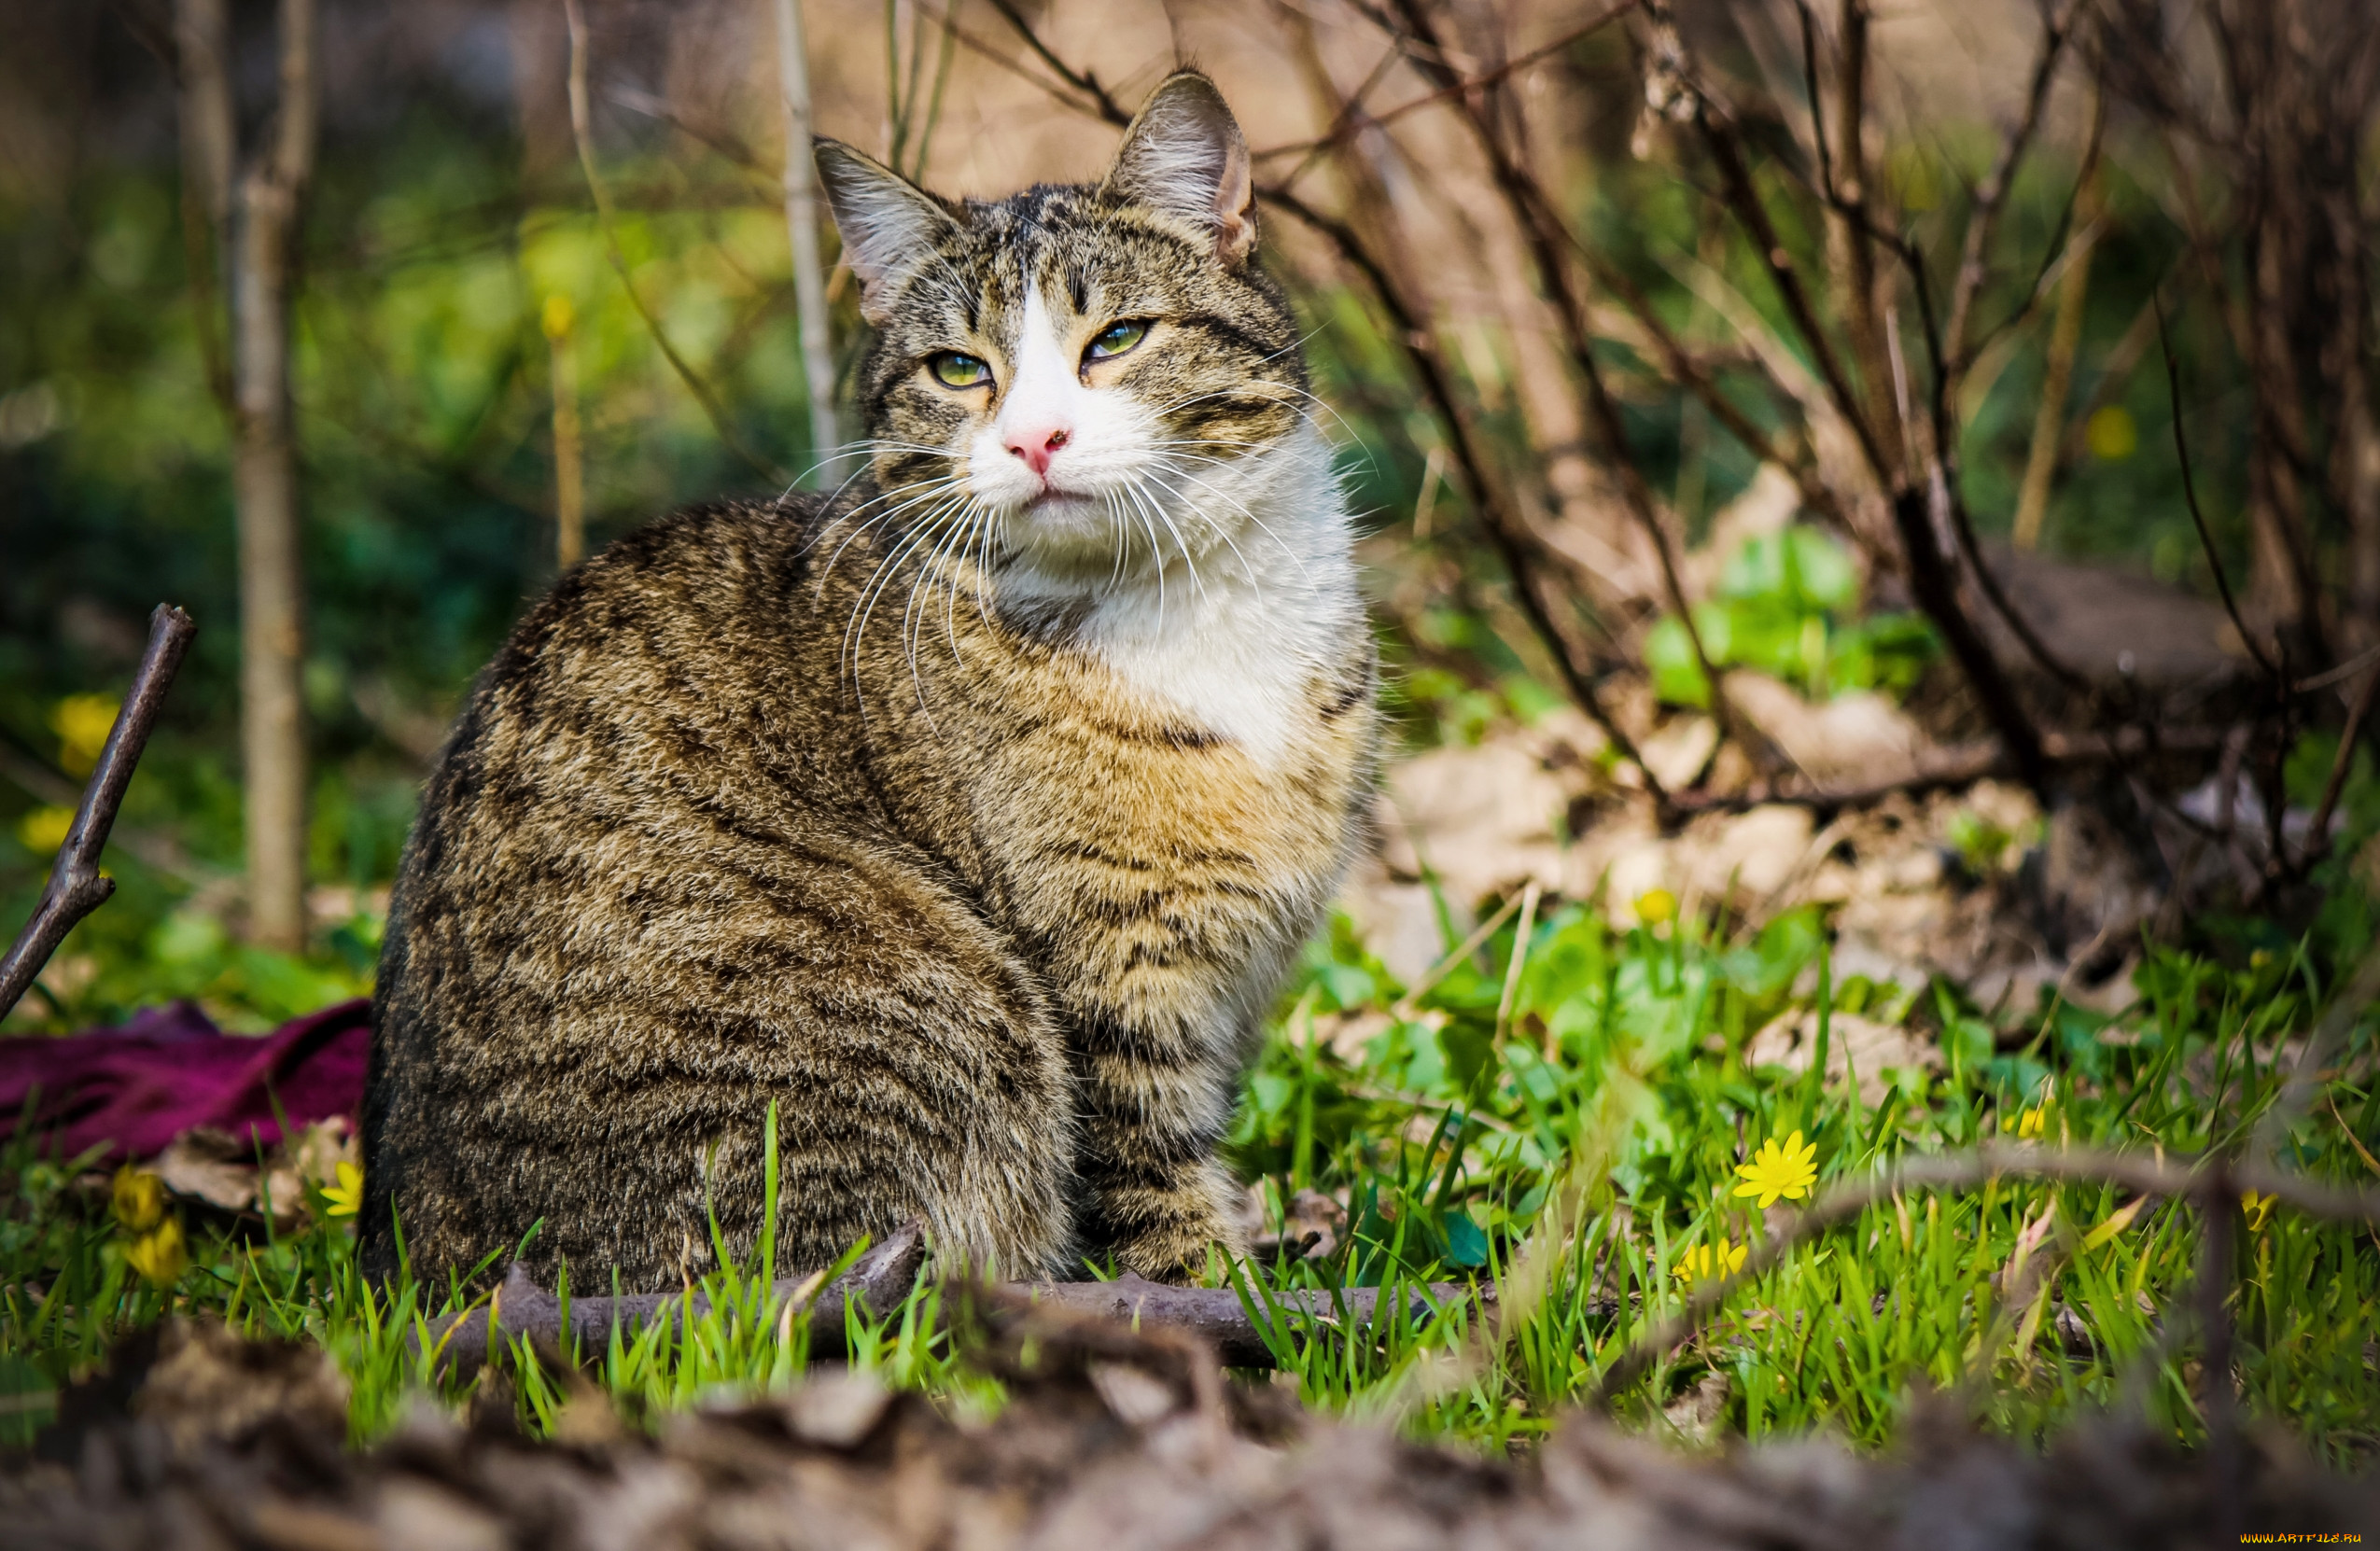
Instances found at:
x=171 y=1069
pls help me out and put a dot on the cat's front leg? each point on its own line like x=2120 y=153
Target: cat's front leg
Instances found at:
x=1154 y=1098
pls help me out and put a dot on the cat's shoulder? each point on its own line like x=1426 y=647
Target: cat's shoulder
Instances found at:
x=707 y=541
x=691 y=575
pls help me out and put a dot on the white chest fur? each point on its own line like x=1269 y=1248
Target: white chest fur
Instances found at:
x=1232 y=641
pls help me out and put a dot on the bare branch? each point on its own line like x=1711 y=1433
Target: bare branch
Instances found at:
x=1849 y=228
x=1543 y=227
x=802 y=232
x=2317 y=838
x=209 y=149
x=522 y=1311
x=1743 y=199
x=1993 y=191
x=1081 y=80
x=2189 y=492
x=1502 y=528
x=1348 y=123
x=581 y=133
x=76 y=887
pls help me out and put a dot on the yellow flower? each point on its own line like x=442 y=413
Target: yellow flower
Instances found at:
x=556 y=315
x=2028 y=1125
x=160 y=1255
x=140 y=1198
x=2258 y=1209
x=2111 y=434
x=1788 y=1170
x=1655 y=905
x=82 y=723
x=347 y=1198
x=1704 y=1261
x=44 y=830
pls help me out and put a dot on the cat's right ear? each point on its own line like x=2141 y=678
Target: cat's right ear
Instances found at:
x=889 y=224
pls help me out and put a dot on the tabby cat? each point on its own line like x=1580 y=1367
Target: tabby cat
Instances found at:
x=971 y=816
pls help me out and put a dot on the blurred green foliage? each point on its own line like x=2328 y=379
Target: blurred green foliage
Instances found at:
x=1786 y=605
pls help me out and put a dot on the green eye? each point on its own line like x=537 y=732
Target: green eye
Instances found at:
x=1118 y=339
x=953 y=369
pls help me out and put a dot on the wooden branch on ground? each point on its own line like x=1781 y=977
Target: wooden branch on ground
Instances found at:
x=76 y=887
x=1217 y=1316
x=521 y=1310
x=884 y=1276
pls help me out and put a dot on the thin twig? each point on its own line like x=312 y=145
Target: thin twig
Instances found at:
x=2190 y=494
x=1743 y=198
x=1993 y=193
x=76 y=887
x=2347 y=669
x=1355 y=120
x=1421 y=353
x=1542 y=226
x=2317 y=838
x=1081 y=80
x=1108 y=112
x=581 y=133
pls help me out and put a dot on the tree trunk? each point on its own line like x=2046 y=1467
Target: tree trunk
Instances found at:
x=801 y=231
x=264 y=464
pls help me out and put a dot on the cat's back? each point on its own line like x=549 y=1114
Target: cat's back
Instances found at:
x=637 y=873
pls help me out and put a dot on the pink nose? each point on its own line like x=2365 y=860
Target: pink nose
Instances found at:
x=1037 y=447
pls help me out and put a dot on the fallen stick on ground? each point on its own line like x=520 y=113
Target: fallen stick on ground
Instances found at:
x=1217 y=1315
x=76 y=887
x=877 y=1281
x=882 y=1277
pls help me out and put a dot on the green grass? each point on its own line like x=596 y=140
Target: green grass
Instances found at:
x=1616 y=1088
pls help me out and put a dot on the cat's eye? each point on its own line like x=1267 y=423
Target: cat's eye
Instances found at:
x=1117 y=339
x=954 y=369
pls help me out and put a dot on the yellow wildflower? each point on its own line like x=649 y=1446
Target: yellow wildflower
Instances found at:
x=2258 y=1209
x=82 y=723
x=1705 y=1261
x=2111 y=434
x=1788 y=1170
x=556 y=315
x=1655 y=906
x=2028 y=1125
x=140 y=1198
x=160 y=1255
x=347 y=1198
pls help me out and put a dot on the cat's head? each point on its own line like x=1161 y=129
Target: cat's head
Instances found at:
x=1089 y=376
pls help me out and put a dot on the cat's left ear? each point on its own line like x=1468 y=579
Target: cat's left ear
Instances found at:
x=1185 y=156
x=890 y=225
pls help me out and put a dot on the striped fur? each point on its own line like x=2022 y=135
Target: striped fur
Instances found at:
x=974 y=830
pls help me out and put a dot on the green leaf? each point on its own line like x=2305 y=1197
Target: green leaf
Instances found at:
x=1669 y=656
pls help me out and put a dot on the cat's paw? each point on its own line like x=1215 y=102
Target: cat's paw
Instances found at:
x=1176 y=1245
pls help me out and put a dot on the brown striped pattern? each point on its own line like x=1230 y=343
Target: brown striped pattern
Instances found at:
x=993 y=929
